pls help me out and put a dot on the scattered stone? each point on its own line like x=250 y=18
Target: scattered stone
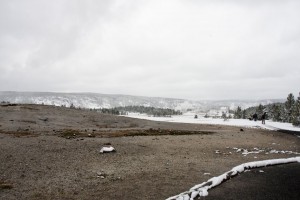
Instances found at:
x=100 y=173
x=217 y=151
x=44 y=119
x=116 y=178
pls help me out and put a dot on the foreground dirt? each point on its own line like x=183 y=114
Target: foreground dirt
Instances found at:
x=53 y=153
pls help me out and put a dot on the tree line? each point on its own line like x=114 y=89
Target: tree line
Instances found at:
x=157 y=112
x=289 y=111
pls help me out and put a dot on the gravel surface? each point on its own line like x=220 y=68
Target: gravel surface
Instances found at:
x=53 y=153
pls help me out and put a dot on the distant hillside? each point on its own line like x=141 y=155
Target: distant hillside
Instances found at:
x=95 y=100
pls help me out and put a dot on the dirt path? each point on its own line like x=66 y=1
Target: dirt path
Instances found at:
x=40 y=164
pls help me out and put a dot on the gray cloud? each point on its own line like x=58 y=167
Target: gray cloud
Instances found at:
x=184 y=49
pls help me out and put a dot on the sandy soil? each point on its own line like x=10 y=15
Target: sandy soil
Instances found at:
x=53 y=153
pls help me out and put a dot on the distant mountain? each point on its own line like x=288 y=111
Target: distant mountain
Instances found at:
x=95 y=100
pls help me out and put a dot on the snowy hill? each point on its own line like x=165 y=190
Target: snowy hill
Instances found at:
x=95 y=100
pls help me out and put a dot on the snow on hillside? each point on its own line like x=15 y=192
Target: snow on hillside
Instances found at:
x=95 y=100
x=189 y=118
x=90 y=100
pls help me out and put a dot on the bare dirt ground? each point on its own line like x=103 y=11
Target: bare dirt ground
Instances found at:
x=53 y=153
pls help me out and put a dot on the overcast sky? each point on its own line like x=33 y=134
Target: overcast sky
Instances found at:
x=191 y=49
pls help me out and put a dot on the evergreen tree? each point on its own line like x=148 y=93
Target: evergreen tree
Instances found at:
x=224 y=116
x=296 y=113
x=238 y=113
x=289 y=104
x=260 y=110
x=276 y=112
x=244 y=114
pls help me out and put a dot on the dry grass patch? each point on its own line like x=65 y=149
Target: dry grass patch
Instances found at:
x=151 y=132
x=70 y=133
x=19 y=133
x=5 y=186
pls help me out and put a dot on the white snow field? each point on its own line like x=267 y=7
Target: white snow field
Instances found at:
x=202 y=189
x=189 y=118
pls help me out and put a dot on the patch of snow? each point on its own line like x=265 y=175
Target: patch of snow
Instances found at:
x=245 y=152
x=202 y=189
x=107 y=149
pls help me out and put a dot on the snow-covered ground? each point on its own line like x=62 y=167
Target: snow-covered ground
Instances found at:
x=189 y=118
